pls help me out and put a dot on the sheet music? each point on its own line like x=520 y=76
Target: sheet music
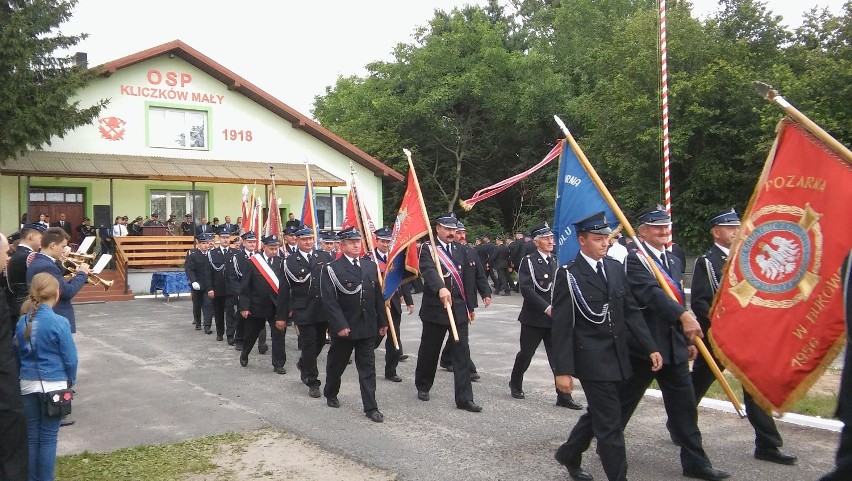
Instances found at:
x=86 y=244
x=102 y=262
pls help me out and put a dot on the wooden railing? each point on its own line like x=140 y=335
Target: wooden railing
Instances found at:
x=150 y=251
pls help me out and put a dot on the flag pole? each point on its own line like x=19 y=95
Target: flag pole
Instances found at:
x=372 y=248
x=769 y=93
x=629 y=229
x=310 y=185
x=448 y=307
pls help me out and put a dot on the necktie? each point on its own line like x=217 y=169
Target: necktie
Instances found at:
x=270 y=261
x=663 y=260
x=448 y=250
x=355 y=262
x=600 y=270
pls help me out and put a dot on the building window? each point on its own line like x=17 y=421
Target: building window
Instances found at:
x=177 y=128
x=325 y=209
x=177 y=202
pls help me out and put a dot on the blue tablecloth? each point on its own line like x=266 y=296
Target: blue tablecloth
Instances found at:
x=169 y=283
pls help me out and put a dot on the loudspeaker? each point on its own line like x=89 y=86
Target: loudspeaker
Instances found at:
x=102 y=216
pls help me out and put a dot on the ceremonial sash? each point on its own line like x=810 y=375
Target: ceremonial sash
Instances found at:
x=265 y=271
x=448 y=264
x=666 y=277
x=382 y=264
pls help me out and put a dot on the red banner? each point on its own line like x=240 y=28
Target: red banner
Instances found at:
x=409 y=226
x=777 y=322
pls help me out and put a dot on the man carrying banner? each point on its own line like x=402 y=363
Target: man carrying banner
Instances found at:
x=392 y=354
x=536 y=275
x=258 y=302
x=843 y=458
x=354 y=304
x=594 y=314
x=473 y=277
x=454 y=289
x=705 y=282
x=299 y=301
x=241 y=266
x=672 y=327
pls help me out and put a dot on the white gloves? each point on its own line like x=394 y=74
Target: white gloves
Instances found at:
x=196 y=286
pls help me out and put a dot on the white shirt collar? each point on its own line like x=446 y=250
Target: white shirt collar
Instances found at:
x=593 y=263
x=726 y=250
x=351 y=259
x=544 y=256
x=653 y=250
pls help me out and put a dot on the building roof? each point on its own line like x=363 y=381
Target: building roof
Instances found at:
x=255 y=93
x=44 y=163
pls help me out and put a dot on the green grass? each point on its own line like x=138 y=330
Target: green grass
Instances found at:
x=822 y=405
x=156 y=462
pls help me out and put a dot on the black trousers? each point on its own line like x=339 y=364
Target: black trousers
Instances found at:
x=843 y=458
x=311 y=342
x=766 y=435
x=531 y=337
x=603 y=420
x=202 y=305
x=392 y=354
x=679 y=399
x=14 y=447
x=503 y=282
x=447 y=357
x=427 y=359
x=221 y=311
x=365 y=362
x=239 y=331
x=253 y=326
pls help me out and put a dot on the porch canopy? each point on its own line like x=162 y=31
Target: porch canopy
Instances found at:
x=41 y=163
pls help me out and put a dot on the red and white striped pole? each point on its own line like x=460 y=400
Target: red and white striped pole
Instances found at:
x=664 y=87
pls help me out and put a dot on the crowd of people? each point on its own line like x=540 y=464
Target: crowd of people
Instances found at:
x=603 y=319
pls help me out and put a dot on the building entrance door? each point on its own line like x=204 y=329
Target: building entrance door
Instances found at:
x=55 y=201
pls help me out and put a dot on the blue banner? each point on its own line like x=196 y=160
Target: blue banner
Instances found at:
x=577 y=197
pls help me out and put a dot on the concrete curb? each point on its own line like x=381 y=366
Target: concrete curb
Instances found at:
x=832 y=425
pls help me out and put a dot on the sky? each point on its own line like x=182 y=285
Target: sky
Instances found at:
x=291 y=49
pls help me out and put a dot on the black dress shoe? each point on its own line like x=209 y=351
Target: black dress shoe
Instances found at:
x=708 y=473
x=375 y=416
x=403 y=358
x=332 y=402
x=231 y=340
x=207 y=330
x=775 y=456
x=516 y=391
x=568 y=402
x=423 y=395
x=470 y=406
x=313 y=391
x=238 y=346
x=394 y=378
x=280 y=370
x=578 y=473
x=262 y=349
x=243 y=361
x=218 y=337
x=474 y=377
x=448 y=367
x=198 y=327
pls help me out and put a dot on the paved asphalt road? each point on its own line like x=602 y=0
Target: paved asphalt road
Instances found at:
x=146 y=376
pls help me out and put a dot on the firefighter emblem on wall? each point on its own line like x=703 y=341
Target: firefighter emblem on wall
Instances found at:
x=780 y=258
x=111 y=128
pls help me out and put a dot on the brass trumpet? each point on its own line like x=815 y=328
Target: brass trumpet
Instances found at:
x=70 y=265
x=78 y=257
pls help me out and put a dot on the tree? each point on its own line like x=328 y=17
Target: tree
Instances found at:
x=37 y=87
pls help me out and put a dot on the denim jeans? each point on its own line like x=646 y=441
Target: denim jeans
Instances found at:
x=42 y=432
